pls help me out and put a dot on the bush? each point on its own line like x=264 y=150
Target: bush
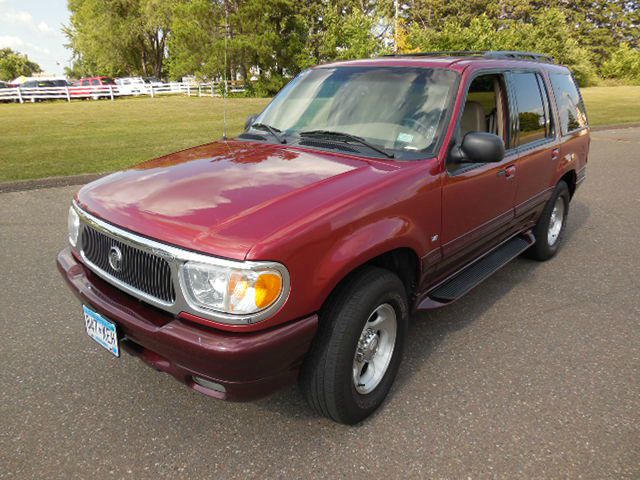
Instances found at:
x=624 y=64
x=269 y=85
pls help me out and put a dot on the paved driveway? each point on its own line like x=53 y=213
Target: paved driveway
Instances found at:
x=534 y=374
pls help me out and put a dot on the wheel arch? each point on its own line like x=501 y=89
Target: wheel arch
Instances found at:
x=402 y=261
x=571 y=179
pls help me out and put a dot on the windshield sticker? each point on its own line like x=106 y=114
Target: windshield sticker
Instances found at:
x=405 y=138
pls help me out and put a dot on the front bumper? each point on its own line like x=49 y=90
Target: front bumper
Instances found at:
x=247 y=365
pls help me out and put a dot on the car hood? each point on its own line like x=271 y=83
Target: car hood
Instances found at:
x=219 y=198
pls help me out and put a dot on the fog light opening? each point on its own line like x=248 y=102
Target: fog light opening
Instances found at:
x=203 y=382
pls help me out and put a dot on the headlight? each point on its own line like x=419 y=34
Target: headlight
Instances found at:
x=73 y=223
x=232 y=291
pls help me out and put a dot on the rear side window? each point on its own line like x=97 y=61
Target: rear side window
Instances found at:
x=532 y=114
x=573 y=115
x=95 y=81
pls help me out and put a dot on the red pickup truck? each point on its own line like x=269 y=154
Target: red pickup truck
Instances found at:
x=364 y=191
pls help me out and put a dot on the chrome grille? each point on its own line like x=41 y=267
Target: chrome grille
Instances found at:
x=141 y=270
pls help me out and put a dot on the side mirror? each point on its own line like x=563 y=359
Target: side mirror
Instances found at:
x=479 y=147
x=249 y=121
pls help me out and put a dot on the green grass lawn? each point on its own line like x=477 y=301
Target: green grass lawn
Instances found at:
x=612 y=105
x=59 y=138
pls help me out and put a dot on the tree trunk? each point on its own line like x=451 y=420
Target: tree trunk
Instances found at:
x=144 y=60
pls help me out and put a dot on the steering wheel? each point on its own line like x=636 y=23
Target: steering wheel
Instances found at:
x=415 y=125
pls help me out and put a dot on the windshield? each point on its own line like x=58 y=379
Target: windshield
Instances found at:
x=396 y=108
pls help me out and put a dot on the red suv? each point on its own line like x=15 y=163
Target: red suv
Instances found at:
x=95 y=87
x=364 y=191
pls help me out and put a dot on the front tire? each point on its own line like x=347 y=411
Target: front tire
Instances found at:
x=357 y=351
x=551 y=225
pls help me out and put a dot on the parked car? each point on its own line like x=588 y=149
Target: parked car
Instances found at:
x=6 y=96
x=31 y=90
x=60 y=82
x=366 y=190
x=132 y=86
x=37 y=84
x=153 y=81
x=94 y=87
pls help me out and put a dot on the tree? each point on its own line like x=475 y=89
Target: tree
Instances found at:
x=596 y=27
x=119 y=37
x=547 y=32
x=266 y=37
x=13 y=64
x=275 y=39
x=624 y=64
x=347 y=32
x=344 y=29
x=196 y=44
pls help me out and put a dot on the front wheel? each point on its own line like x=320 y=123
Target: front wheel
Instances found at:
x=357 y=352
x=551 y=224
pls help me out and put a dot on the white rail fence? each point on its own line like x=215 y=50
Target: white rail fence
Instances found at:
x=111 y=92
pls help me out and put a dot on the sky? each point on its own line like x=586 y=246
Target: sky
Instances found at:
x=34 y=27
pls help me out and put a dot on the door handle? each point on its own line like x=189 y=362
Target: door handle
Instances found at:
x=511 y=171
x=508 y=172
x=555 y=154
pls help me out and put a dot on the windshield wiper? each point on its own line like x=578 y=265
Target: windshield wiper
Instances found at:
x=272 y=130
x=347 y=137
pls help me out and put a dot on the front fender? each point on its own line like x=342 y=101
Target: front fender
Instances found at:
x=343 y=226
x=362 y=245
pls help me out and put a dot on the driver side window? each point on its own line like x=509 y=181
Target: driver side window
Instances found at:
x=485 y=110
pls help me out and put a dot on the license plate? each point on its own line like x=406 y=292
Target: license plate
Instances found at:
x=101 y=330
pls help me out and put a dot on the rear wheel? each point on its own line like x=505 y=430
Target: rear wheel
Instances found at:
x=358 y=349
x=551 y=225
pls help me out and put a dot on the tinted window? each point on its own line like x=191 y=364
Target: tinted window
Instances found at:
x=531 y=112
x=85 y=82
x=95 y=81
x=573 y=115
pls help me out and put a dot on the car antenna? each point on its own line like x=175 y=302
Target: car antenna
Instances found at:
x=224 y=75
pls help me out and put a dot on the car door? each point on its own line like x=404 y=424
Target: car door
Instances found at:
x=478 y=199
x=572 y=126
x=535 y=141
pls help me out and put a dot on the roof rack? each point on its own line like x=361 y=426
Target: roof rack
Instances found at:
x=497 y=54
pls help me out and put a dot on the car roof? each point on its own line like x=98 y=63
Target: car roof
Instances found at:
x=461 y=61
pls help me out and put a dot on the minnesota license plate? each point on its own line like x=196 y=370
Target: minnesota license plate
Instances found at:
x=101 y=330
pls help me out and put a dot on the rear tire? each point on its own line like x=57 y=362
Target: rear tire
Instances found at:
x=357 y=351
x=550 y=228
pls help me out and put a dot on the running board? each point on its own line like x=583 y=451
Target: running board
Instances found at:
x=462 y=282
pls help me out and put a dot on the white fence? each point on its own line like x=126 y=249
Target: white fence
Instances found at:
x=96 y=92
